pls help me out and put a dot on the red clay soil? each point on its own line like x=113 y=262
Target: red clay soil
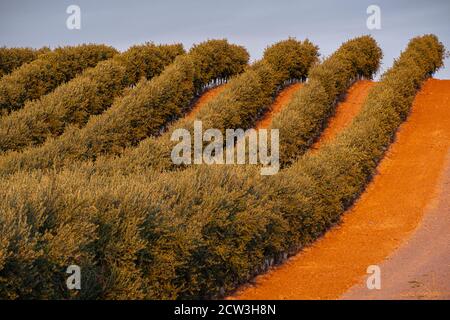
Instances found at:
x=205 y=98
x=345 y=111
x=281 y=100
x=385 y=216
x=420 y=268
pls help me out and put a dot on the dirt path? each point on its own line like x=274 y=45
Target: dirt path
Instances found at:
x=420 y=268
x=345 y=111
x=382 y=219
x=205 y=98
x=281 y=100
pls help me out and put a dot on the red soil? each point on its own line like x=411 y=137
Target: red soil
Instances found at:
x=382 y=219
x=205 y=98
x=345 y=111
x=281 y=100
x=420 y=268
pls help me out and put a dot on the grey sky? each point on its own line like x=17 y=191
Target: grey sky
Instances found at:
x=254 y=24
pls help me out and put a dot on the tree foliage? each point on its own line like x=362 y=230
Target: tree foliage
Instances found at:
x=307 y=114
x=291 y=58
x=12 y=58
x=243 y=101
x=89 y=93
x=49 y=70
x=200 y=232
x=143 y=112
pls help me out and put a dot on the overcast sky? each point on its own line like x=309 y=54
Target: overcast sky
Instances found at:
x=254 y=24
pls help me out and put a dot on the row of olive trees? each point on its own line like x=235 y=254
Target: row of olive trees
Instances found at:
x=237 y=222
x=300 y=122
x=49 y=70
x=200 y=232
x=12 y=58
x=242 y=102
x=126 y=249
x=303 y=119
x=228 y=229
x=109 y=236
x=143 y=112
x=89 y=93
